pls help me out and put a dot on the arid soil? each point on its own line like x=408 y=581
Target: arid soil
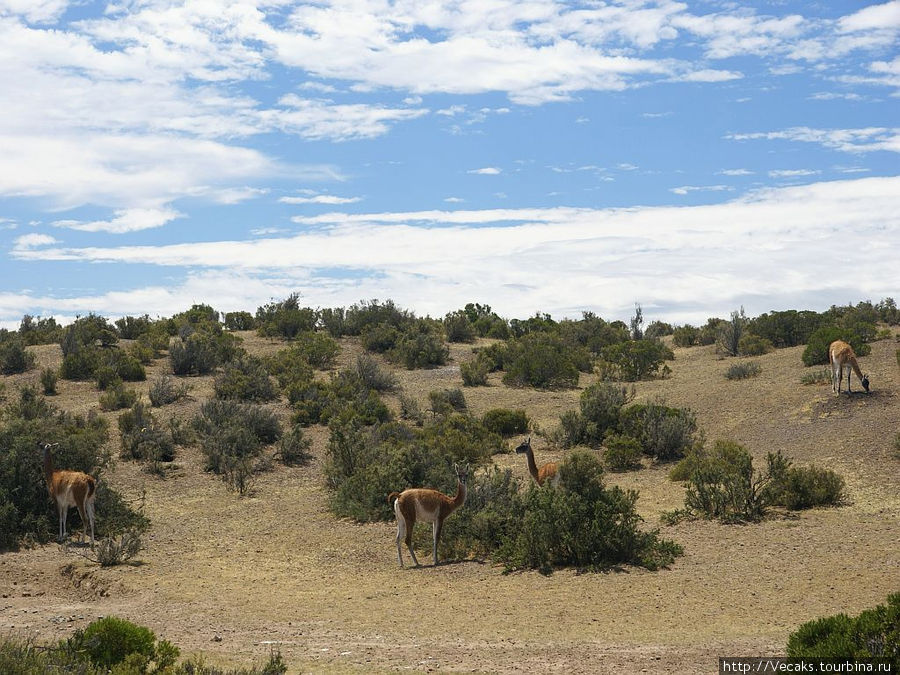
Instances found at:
x=234 y=577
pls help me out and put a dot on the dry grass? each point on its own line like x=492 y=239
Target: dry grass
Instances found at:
x=231 y=576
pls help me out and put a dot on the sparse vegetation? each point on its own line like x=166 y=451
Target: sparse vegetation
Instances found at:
x=743 y=371
x=164 y=390
x=49 y=379
x=117 y=396
x=818 y=376
x=474 y=373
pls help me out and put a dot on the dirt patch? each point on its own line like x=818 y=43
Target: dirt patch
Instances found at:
x=234 y=577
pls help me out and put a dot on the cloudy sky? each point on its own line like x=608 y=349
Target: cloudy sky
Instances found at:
x=533 y=155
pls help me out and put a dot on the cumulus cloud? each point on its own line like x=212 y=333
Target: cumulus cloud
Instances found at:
x=604 y=260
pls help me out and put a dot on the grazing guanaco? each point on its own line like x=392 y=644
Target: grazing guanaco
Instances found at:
x=549 y=471
x=841 y=355
x=429 y=506
x=70 y=488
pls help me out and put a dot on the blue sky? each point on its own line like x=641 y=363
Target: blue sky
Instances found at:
x=558 y=157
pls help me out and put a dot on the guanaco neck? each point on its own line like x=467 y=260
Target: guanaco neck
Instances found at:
x=460 y=495
x=855 y=365
x=48 y=469
x=532 y=467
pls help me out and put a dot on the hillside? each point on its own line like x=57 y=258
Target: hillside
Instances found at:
x=232 y=577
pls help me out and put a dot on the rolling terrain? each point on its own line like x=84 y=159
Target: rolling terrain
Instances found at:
x=233 y=577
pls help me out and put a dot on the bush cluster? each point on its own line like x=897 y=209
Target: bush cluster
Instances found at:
x=285 y=319
x=200 y=351
x=14 y=358
x=26 y=511
x=505 y=422
x=635 y=360
x=874 y=633
x=245 y=379
x=38 y=331
x=723 y=484
x=142 y=440
x=232 y=436
x=581 y=524
x=542 y=360
x=164 y=390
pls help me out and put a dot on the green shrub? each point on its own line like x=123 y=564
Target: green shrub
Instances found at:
x=319 y=350
x=664 y=433
x=753 y=345
x=723 y=484
x=743 y=371
x=798 y=488
x=163 y=390
x=195 y=355
x=420 y=349
x=505 y=422
x=14 y=358
x=117 y=397
x=359 y=316
x=686 y=336
x=239 y=321
x=293 y=449
x=816 y=352
x=410 y=410
x=141 y=439
x=622 y=453
x=540 y=360
x=380 y=338
x=25 y=509
x=583 y=525
x=108 y=641
x=38 y=331
x=49 y=379
x=447 y=401
x=787 y=328
x=874 y=633
x=285 y=319
x=458 y=328
x=257 y=419
x=245 y=379
x=819 y=376
x=80 y=364
x=474 y=373
x=638 y=359
x=289 y=367
x=374 y=376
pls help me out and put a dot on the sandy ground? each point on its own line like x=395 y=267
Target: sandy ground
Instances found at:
x=233 y=578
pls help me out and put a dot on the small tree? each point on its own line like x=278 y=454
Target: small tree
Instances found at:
x=728 y=338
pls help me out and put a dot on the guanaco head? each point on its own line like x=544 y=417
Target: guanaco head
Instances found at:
x=462 y=472
x=865 y=382
x=525 y=446
x=46 y=446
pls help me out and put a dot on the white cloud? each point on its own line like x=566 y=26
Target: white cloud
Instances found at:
x=846 y=140
x=680 y=258
x=34 y=11
x=709 y=75
x=485 y=171
x=686 y=189
x=319 y=199
x=30 y=241
x=126 y=220
x=792 y=173
x=736 y=172
x=877 y=17
x=454 y=200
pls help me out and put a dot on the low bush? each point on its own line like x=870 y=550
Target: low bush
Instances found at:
x=14 y=358
x=239 y=321
x=142 y=440
x=743 y=371
x=686 y=336
x=293 y=449
x=458 y=327
x=505 y=422
x=583 y=525
x=245 y=379
x=410 y=410
x=474 y=373
x=819 y=376
x=380 y=338
x=665 y=433
x=874 y=633
x=447 y=401
x=164 y=390
x=117 y=550
x=319 y=350
x=117 y=397
x=622 y=453
x=722 y=483
x=420 y=348
x=110 y=642
x=543 y=361
x=804 y=487
x=285 y=319
x=49 y=380
x=374 y=376
x=638 y=359
x=753 y=345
